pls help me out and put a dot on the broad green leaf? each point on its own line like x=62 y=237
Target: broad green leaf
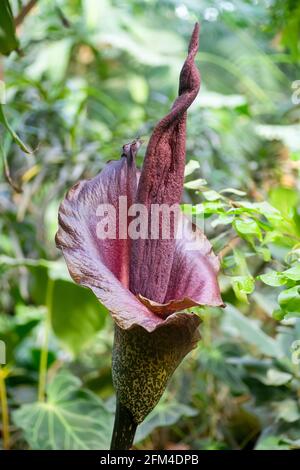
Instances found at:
x=271 y=443
x=72 y=418
x=272 y=278
x=247 y=227
x=16 y=328
x=289 y=301
x=278 y=314
x=264 y=252
x=276 y=378
x=293 y=273
x=284 y=199
x=267 y=209
x=8 y=39
x=287 y=410
x=76 y=314
x=222 y=219
x=245 y=283
x=261 y=208
x=195 y=184
x=215 y=207
x=190 y=167
x=242 y=286
x=237 y=325
x=166 y=413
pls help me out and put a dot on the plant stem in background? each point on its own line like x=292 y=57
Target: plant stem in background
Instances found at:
x=4 y=409
x=124 y=429
x=44 y=350
x=6 y=171
x=24 y=12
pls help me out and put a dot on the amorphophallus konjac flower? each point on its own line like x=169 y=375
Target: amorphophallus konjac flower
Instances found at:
x=145 y=282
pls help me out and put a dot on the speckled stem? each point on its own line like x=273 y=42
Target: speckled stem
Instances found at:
x=124 y=428
x=142 y=362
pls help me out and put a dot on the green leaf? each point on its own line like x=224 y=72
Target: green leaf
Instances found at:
x=287 y=410
x=289 y=301
x=278 y=314
x=247 y=227
x=190 y=167
x=166 y=413
x=215 y=207
x=76 y=314
x=261 y=208
x=276 y=378
x=245 y=283
x=222 y=219
x=195 y=184
x=271 y=443
x=72 y=418
x=242 y=286
x=272 y=278
x=239 y=326
x=264 y=252
x=284 y=199
x=8 y=39
x=16 y=328
x=293 y=273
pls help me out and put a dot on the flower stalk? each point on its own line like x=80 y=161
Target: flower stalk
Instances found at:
x=4 y=409
x=124 y=428
x=45 y=345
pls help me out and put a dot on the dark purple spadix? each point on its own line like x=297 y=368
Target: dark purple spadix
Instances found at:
x=161 y=182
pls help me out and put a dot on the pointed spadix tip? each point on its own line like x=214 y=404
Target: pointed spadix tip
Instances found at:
x=194 y=41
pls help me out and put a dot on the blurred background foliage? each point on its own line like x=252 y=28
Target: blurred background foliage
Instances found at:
x=88 y=76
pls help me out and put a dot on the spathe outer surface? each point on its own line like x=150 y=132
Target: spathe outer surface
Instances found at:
x=141 y=282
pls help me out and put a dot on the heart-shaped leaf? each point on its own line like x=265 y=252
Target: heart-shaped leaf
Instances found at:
x=72 y=418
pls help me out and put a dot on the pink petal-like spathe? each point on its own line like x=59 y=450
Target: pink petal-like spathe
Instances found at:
x=177 y=272
x=193 y=278
x=101 y=265
x=195 y=268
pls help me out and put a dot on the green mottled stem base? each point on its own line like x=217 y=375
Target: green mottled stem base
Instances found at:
x=143 y=362
x=124 y=429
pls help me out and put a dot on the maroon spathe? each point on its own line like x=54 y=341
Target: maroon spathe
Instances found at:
x=143 y=282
